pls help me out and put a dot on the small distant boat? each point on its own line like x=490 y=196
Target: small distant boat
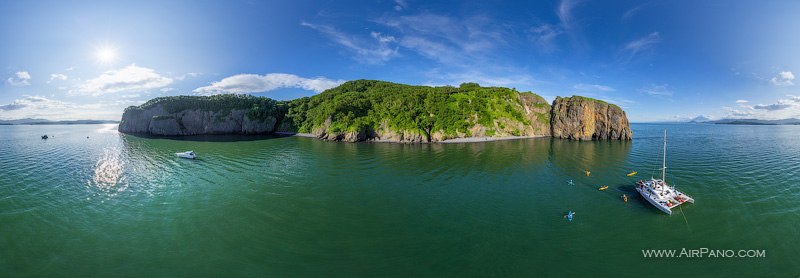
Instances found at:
x=189 y=154
x=569 y=215
x=631 y=174
x=588 y=173
x=625 y=197
x=45 y=136
x=604 y=187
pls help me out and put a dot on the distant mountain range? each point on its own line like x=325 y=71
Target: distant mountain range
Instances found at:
x=699 y=119
x=791 y=121
x=49 y=122
x=705 y=120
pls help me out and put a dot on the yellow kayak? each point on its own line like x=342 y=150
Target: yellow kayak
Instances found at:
x=632 y=173
x=604 y=187
x=588 y=173
x=625 y=198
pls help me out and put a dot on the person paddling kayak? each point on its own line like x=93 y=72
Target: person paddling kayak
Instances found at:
x=569 y=215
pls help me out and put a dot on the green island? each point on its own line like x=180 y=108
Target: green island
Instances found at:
x=371 y=110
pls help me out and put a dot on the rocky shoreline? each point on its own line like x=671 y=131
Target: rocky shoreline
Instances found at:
x=447 y=141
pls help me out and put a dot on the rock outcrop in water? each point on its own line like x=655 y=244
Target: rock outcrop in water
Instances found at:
x=225 y=114
x=368 y=110
x=581 y=118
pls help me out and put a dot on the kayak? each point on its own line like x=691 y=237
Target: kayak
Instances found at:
x=588 y=173
x=632 y=173
x=569 y=216
x=604 y=187
x=625 y=198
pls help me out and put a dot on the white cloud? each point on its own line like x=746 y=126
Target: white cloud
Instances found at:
x=484 y=79
x=381 y=38
x=132 y=95
x=27 y=101
x=42 y=107
x=544 y=36
x=130 y=78
x=637 y=46
x=254 y=83
x=564 y=13
x=741 y=101
x=631 y=12
x=782 y=109
x=791 y=102
x=19 y=79
x=746 y=112
x=376 y=51
x=593 y=87
x=784 y=78
x=657 y=90
x=401 y=4
x=448 y=40
x=772 y=107
x=57 y=77
x=187 y=75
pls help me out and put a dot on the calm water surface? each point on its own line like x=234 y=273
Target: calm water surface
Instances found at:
x=119 y=205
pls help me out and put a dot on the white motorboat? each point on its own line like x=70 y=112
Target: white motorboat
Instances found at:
x=189 y=154
x=659 y=193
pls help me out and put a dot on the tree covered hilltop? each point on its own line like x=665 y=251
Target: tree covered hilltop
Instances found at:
x=370 y=110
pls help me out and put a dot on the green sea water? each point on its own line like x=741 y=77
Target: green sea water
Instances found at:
x=125 y=206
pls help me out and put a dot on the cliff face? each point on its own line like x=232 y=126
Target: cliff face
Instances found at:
x=383 y=133
x=156 y=120
x=537 y=111
x=581 y=118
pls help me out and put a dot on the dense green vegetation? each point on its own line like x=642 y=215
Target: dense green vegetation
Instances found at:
x=258 y=108
x=574 y=97
x=362 y=105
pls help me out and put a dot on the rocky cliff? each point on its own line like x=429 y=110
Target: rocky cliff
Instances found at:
x=581 y=118
x=369 y=110
x=218 y=115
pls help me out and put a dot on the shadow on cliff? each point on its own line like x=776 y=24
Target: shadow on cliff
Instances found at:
x=213 y=137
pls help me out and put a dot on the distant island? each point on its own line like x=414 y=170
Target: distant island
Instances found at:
x=791 y=121
x=371 y=110
x=703 y=119
x=49 y=122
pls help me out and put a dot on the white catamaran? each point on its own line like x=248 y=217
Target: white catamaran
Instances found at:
x=659 y=193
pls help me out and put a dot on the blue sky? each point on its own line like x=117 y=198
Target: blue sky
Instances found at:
x=659 y=60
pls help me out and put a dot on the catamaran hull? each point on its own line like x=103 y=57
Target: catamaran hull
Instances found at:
x=653 y=202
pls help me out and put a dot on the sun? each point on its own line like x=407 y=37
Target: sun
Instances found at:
x=105 y=54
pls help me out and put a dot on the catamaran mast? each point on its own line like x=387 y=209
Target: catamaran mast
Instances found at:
x=664 y=166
